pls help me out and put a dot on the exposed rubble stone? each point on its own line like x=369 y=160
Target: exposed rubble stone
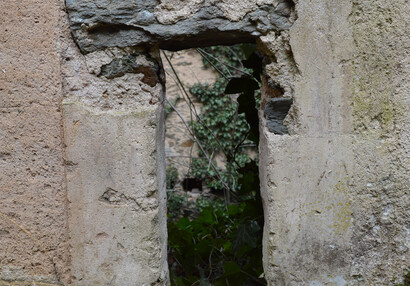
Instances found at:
x=99 y=24
x=276 y=110
x=129 y=64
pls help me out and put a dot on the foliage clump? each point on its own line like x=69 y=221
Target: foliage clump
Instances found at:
x=172 y=176
x=220 y=131
x=221 y=243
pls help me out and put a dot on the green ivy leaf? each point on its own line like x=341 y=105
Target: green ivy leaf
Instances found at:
x=249 y=178
x=246 y=235
x=204 y=282
x=184 y=223
x=207 y=216
x=233 y=210
x=231 y=268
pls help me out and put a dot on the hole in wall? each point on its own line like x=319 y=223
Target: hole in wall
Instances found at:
x=215 y=214
x=275 y=111
x=191 y=184
x=274 y=105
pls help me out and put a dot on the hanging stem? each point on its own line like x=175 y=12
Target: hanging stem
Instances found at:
x=226 y=187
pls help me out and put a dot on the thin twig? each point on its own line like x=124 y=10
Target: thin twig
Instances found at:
x=252 y=277
x=210 y=262
x=247 y=145
x=180 y=87
x=190 y=159
x=234 y=153
x=228 y=65
x=26 y=231
x=191 y=104
x=237 y=56
x=199 y=145
x=182 y=156
x=203 y=54
x=179 y=81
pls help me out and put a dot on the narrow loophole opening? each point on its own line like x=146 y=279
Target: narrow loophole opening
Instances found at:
x=214 y=208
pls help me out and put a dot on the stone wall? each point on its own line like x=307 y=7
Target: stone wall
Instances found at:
x=381 y=116
x=115 y=170
x=32 y=174
x=306 y=174
x=82 y=137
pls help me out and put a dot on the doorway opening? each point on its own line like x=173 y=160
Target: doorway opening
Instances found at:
x=215 y=213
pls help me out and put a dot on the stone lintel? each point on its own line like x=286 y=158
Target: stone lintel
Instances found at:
x=97 y=24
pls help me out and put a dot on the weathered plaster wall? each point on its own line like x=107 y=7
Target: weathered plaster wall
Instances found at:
x=306 y=175
x=116 y=211
x=336 y=189
x=32 y=184
x=114 y=135
x=381 y=120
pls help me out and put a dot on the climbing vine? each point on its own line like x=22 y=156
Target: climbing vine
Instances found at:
x=221 y=131
x=224 y=130
x=220 y=244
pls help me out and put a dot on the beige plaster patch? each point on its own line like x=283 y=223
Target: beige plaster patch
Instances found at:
x=235 y=10
x=172 y=11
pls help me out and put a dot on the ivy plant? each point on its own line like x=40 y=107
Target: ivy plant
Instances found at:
x=220 y=131
x=221 y=245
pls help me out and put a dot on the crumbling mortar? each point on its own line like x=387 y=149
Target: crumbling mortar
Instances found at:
x=281 y=73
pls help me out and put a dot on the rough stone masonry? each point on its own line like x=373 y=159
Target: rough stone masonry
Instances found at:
x=82 y=197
